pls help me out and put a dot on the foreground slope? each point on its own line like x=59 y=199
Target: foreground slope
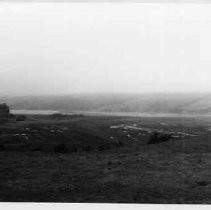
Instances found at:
x=177 y=171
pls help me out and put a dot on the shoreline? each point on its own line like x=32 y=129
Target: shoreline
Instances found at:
x=120 y=114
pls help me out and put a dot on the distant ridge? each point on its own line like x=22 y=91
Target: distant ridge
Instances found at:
x=110 y=1
x=144 y=103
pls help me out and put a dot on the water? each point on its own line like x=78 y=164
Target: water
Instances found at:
x=34 y=112
x=91 y=113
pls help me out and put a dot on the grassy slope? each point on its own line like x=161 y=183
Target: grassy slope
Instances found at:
x=170 y=172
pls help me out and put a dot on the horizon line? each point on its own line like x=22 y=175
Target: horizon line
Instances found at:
x=111 y=1
x=106 y=93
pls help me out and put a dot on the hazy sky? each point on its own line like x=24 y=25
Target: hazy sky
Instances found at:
x=51 y=48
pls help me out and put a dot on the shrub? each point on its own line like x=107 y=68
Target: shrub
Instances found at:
x=157 y=137
x=12 y=116
x=87 y=148
x=73 y=148
x=2 y=148
x=104 y=147
x=117 y=144
x=77 y=115
x=37 y=149
x=58 y=115
x=61 y=148
x=202 y=183
x=21 y=118
x=3 y=120
x=63 y=116
x=4 y=110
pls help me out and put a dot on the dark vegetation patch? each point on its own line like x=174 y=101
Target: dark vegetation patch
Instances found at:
x=48 y=137
x=203 y=183
x=60 y=116
x=74 y=148
x=61 y=148
x=87 y=148
x=2 y=148
x=37 y=148
x=20 y=118
x=104 y=147
x=157 y=137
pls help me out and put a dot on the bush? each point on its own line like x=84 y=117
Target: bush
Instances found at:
x=58 y=115
x=65 y=116
x=87 y=148
x=77 y=115
x=37 y=149
x=21 y=118
x=61 y=148
x=202 y=183
x=104 y=147
x=156 y=138
x=119 y=144
x=12 y=116
x=2 y=148
x=73 y=148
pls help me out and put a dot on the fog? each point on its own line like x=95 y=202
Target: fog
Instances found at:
x=64 y=48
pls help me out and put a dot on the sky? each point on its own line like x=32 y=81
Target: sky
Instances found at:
x=65 y=48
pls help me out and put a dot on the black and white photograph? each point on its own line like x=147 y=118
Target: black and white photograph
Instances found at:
x=105 y=102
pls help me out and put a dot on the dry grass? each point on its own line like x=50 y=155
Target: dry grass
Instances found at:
x=169 y=172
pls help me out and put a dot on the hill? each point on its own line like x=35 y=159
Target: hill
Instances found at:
x=145 y=103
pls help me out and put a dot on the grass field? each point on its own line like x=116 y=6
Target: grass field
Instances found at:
x=107 y=159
